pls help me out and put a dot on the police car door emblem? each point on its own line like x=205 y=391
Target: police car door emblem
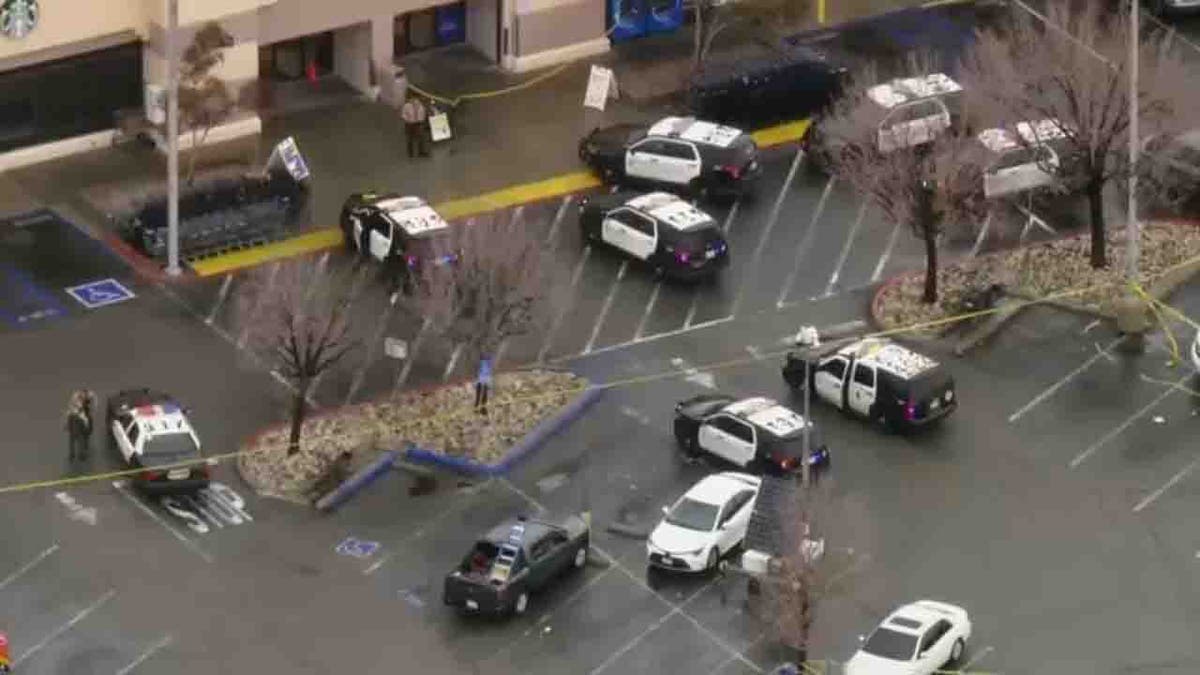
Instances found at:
x=18 y=17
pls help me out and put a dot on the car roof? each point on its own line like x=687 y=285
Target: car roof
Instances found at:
x=532 y=531
x=671 y=209
x=904 y=618
x=906 y=89
x=412 y=214
x=768 y=414
x=889 y=356
x=696 y=131
x=718 y=488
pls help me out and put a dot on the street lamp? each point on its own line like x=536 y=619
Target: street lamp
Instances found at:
x=807 y=340
x=1132 y=236
x=172 y=139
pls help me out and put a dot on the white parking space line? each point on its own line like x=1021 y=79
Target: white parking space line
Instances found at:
x=27 y=566
x=271 y=274
x=225 y=284
x=191 y=545
x=452 y=362
x=648 y=338
x=766 y=235
x=805 y=243
x=606 y=307
x=1116 y=431
x=562 y=311
x=1167 y=486
x=558 y=218
x=752 y=644
x=975 y=658
x=466 y=498
x=1049 y=391
x=373 y=349
x=983 y=230
x=154 y=649
x=691 y=313
x=641 y=327
x=887 y=253
x=845 y=254
x=412 y=355
x=637 y=639
x=108 y=595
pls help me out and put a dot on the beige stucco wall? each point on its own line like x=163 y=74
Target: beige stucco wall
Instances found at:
x=63 y=23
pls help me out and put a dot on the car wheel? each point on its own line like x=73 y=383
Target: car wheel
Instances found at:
x=956 y=653
x=581 y=557
x=714 y=559
x=521 y=604
x=687 y=443
x=348 y=240
x=608 y=176
x=698 y=189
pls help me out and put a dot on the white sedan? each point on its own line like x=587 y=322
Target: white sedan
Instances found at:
x=704 y=524
x=920 y=638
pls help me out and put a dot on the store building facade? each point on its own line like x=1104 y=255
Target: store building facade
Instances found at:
x=69 y=67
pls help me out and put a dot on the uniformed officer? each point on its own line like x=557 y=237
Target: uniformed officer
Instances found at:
x=414 y=114
x=78 y=424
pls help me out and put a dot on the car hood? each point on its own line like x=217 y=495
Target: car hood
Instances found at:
x=614 y=138
x=675 y=539
x=863 y=663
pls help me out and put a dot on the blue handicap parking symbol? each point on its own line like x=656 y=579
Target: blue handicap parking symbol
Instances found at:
x=95 y=294
x=357 y=548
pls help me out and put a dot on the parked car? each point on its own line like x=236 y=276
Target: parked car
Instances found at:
x=151 y=432
x=880 y=380
x=675 y=153
x=920 y=638
x=514 y=560
x=754 y=433
x=707 y=522
x=668 y=234
x=1024 y=159
x=401 y=231
x=908 y=112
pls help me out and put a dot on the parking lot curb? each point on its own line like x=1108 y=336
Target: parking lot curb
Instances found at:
x=533 y=440
x=357 y=482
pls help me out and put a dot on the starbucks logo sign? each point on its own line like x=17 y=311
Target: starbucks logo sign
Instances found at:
x=18 y=17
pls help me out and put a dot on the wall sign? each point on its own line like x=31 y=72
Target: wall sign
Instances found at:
x=18 y=17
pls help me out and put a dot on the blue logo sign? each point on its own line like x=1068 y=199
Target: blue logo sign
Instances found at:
x=95 y=294
x=357 y=548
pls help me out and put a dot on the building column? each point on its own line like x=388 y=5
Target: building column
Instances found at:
x=563 y=31
x=352 y=55
x=383 y=36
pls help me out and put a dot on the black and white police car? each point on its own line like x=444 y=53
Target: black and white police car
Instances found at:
x=390 y=228
x=1024 y=159
x=880 y=380
x=909 y=112
x=677 y=153
x=756 y=433
x=669 y=234
x=151 y=431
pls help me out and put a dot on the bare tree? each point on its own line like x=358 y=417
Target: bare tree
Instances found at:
x=1076 y=74
x=204 y=99
x=822 y=543
x=494 y=289
x=297 y=318
x=926 y=188
x=767 y=19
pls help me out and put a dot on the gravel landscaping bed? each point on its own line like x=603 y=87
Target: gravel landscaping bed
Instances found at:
x=440 y=419
x=1037 y=271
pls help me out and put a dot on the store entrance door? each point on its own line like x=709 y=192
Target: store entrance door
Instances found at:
x=298 y=58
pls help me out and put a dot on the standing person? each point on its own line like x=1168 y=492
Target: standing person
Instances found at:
x=77 y=424
x=414 y=115
x=89 y=403
x=483 y=382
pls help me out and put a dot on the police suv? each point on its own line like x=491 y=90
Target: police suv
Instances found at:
x=672 y=236
x=391 y=228
x=1024 y=159
x=880 y=380
x=151 y=431
x=754 y=433
x=910 y=112
x=678 y=153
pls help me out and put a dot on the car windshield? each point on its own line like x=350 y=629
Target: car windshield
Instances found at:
x=891 y=644
x=693 y=515
x=175 y=445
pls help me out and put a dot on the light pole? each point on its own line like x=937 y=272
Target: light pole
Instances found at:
x=172 y=139
x=807 y=340
x=1132 y=234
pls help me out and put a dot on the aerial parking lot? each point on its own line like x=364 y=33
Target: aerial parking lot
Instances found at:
x=1043 y=479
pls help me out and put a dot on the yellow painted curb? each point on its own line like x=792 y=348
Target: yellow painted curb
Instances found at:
x=518 y=194
x=789 y=132
x=308 y=242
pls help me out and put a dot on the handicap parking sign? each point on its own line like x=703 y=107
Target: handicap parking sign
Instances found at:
x=95 y=294
x=357 y=548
